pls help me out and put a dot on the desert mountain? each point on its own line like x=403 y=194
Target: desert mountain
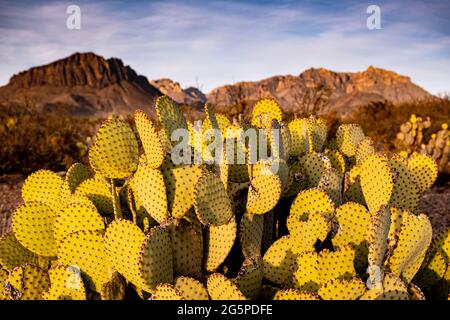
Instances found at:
x=88 y=84
x=82 y=84
x=319 y=91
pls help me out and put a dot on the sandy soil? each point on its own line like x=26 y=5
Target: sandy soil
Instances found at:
x=436 y=203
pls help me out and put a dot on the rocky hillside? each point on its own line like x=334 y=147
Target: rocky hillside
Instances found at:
x=82 y=84
x=189 y=96
x=319 y=91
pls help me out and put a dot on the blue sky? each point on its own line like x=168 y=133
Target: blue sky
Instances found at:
x=212 y=43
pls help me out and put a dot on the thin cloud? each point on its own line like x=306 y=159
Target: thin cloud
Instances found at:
x=223 y=42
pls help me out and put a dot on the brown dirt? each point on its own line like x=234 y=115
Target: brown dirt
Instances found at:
x=435 y=203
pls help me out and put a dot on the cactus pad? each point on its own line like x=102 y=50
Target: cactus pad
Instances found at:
x=364 y=149
x=66 y=284
x=393 y=289
x=86 y=250
x=405 y=194
x=75 y=175
x=77 y=216
x=376 y=182
x=221 y=288
x=27 y=282
x=117 y=149
x=314 y=165
x=98 y=191
x=279 y=262
x=377 y=236
x=300 y=136
x=114 y=288
x=191 y=289
x=166 y=291
x=249 y=278
x=348 y=137
x=250 y=234
x=33 y=225
x=306 y=231
x=312 y=200
x=337 y=264
x=211 y=201
x=342 y=289
x=43 y=182
x=153 y=149
x=306 y=275
x=294 y=294
x=151 y=190
x=263 y=193
x=13 y=254
x=170 y=116
x=264 y=111
x=424 y=171
x=219 y=241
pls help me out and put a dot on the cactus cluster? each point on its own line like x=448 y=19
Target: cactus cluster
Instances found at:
x=410 y=139
x=315 y=217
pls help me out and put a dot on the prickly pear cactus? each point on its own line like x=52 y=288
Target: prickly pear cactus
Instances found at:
x=312 y=217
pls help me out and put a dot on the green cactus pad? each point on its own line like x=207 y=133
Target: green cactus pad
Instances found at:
x=279 y=262
x=250 y=234
x=66 y=284
x=170 y=116
x=153 y=149
x=77 y=216
x=99 y=192
x=151 y=190
x=300 y=137
x=424 y=171
x=43 y=186
x=219 y=241
x=166 y=291
x=13 y=254
x=264 y=111
x=342 y=289
x=263 y=193
x=297 y=179
x=76 y=174
x=211 y=201
x=116 y=149
x=187 y=249
x=27 y=282
x=249 y=278
x=376 y=182
x=191 y=289
x=86 y=250
x=348 y=137
x=32 y=225
x=294 y=294
x=221 y=288
x=180 y=183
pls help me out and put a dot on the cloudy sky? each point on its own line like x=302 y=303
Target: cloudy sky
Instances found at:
x=211 y=43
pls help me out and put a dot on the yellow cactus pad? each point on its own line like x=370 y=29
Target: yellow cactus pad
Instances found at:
x=117 y=149
x=264 y=111
x=342 y=289
x=191 y=289
x=353 y=220
x=263 y=193
x=221 y=288
x=66 y=284
x=424 y=171
x=99 y=192
x=348 y=137
x=170 y=116
x=166 y=291
x=314 y=165
x=405 y=194
x=376 y=182
x=294 y=294
x=153 y=149
x=151 y=190
x=219 y=241
x=180 y=183
x=86 y=250
x=352 y=186
x=393 y=289
x=43 y=186
x=299 y=129
x=211 y=201
x=249 y=278
x=13 y=254
x=337 y=161
x=412 y=244
x=377 y=236
x=77 y=216
x=27 y=282
x=33 y=225
x=306 y=275
x=312 y=200
x=4 y=274
x=114 y=288
x=306 y=231
x=364 y=149
x=250 y=234
x=279 y=262
x=337 y=264
x=331 y=183
x=187 y=249
x=432 y=271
